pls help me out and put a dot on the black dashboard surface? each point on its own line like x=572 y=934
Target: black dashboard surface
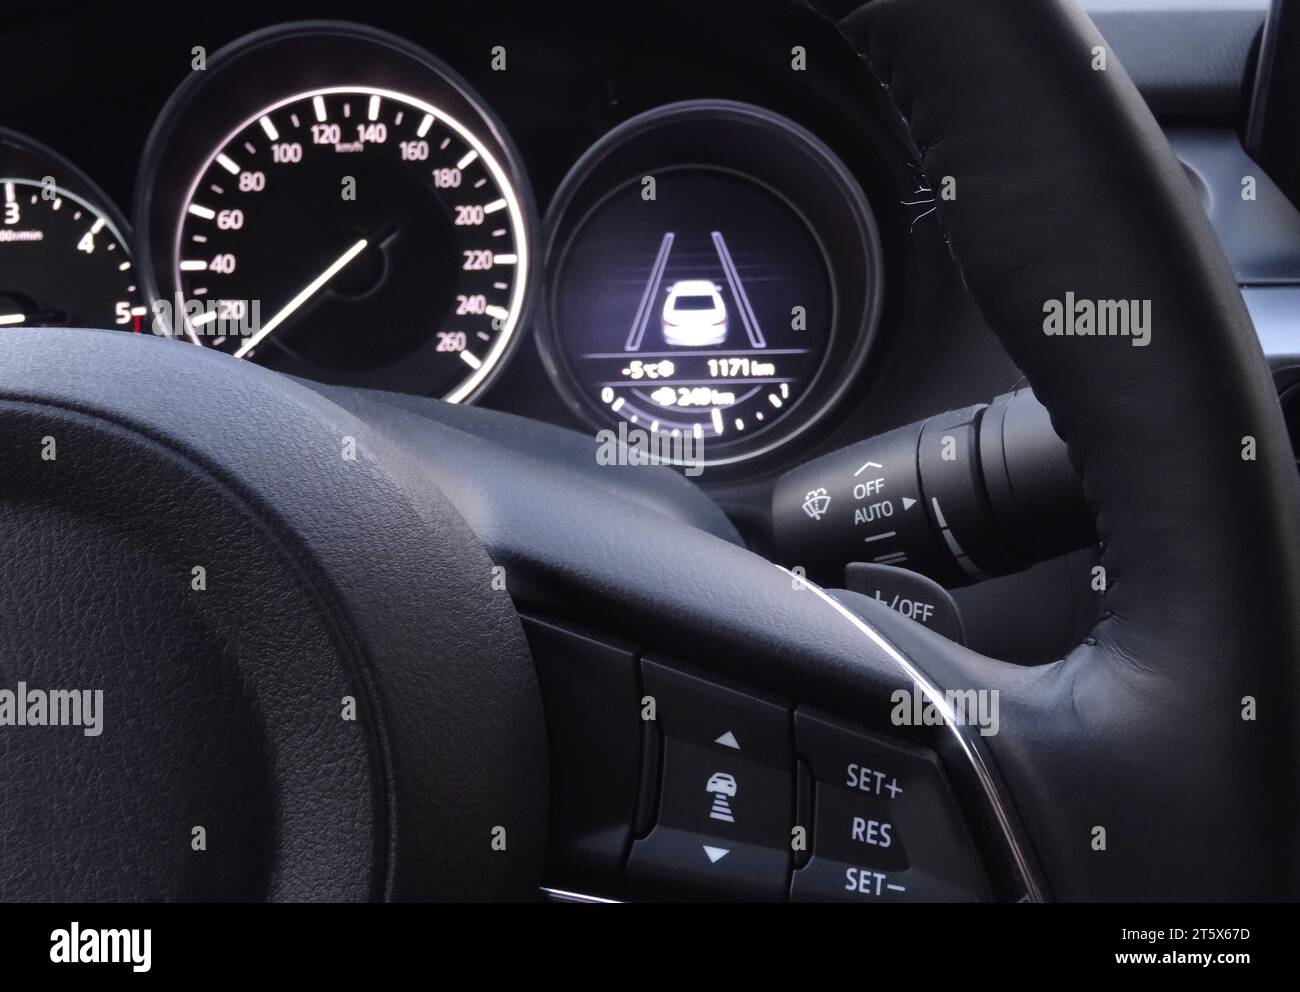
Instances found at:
x=573 y=72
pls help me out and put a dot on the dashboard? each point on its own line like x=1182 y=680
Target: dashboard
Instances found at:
x=726 y=256
x=696 y=220
x=400 y=277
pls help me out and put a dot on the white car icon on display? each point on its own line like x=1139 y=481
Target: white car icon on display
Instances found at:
x=694 y=314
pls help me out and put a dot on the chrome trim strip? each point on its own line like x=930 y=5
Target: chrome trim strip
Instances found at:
x=1033 y=890
x=560 y=895
x=1275 y=311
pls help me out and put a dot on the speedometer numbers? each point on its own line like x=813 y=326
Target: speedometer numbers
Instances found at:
x=366 y=224
x=347 y=229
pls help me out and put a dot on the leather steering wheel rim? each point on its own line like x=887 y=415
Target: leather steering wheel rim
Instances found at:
x=1064 y=183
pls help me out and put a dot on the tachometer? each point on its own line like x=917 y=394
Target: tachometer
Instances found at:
x=64 y=260
x=374 y=230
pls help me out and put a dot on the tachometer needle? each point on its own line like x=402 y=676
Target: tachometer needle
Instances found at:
x=11 y=318
x=307 y=292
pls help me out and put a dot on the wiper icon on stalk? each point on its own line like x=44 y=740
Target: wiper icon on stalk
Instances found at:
x=816 y=503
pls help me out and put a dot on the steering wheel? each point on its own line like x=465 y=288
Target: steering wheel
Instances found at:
x=302 y=603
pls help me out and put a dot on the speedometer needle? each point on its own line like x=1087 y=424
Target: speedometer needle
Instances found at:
x=307 y=292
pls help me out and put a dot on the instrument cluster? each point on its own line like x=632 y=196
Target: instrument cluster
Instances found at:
x=333 y=201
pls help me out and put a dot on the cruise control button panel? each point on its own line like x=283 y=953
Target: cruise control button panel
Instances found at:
x=884 y=824
x=672 y=783
x=725 y=810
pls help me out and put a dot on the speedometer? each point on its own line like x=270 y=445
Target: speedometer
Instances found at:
x=350 y=228
x=372 y=230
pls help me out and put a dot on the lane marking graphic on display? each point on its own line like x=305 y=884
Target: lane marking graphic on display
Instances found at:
x=738 y=291
x=651 y=294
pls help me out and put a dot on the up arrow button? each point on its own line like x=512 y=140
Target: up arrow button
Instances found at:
x=728 y=740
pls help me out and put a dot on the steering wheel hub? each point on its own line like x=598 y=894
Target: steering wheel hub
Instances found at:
x=236 y=631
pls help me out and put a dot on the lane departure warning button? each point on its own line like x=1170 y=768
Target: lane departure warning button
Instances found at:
x=726 y=798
